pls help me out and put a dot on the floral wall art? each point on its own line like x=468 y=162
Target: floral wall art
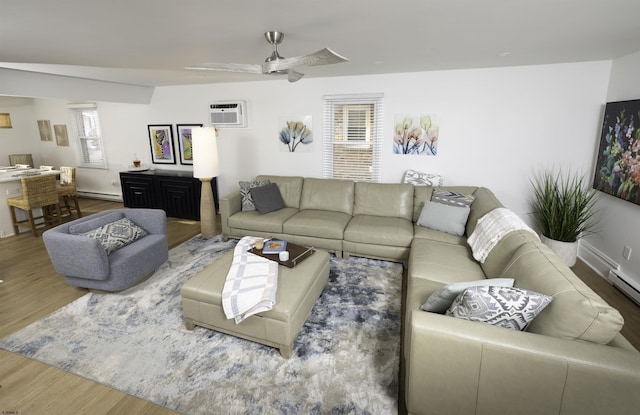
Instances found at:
x=618 y=164
x=296 y=133
x=416 y=134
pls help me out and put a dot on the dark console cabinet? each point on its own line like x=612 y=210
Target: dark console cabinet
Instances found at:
x=175 y=192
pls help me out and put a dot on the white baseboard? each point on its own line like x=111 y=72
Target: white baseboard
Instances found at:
x=101 y=196
x=596 y=260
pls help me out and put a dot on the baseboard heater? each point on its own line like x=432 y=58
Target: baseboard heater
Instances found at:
x=101 y=196
x=625 y=284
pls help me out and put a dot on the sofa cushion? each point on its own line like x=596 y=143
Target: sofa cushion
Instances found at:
x=245 y=187
x=450 y=197
x=576 y=311
x=328 y=195
x=267 y=198
x=446 y=218
x=441 y=300
x=442 y=262
x=80 y=226
x=317 y=223
x=269 y=222
x=383 y=199
x=115 y=235
x=379 y=230
x=424 y=193
x=290 y=188
x=507 y=307
x=428 y=233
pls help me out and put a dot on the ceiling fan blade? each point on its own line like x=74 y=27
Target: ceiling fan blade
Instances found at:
x=293 y=75
x=229 y=67
x=322 y=57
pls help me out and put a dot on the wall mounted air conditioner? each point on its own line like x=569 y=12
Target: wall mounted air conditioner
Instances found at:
x=226 y=114
x=625 y=284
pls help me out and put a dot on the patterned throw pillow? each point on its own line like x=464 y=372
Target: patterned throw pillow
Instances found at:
x=245 y=187
x=447 y=197
x=418 y=178
x=116 y=235
x=441 y=300
x=507 y=307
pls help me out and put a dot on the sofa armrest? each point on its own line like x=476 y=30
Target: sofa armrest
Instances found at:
x=229 y=205
x=459 y=366
x=65 y=249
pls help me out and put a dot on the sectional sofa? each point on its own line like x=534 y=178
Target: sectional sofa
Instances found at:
x=570 y=359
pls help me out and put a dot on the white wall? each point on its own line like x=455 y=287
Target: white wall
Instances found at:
x=619 y=219
x=497 y=125
x=23 y=137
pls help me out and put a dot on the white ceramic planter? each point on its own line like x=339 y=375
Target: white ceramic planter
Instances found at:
x=567 y=251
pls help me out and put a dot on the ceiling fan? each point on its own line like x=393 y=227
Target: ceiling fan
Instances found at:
x=276 y=64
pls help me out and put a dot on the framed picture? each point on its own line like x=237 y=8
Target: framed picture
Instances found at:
x=161 y=142
x=416 y=134
x=44 y=126
x=60 y=130
x=618 y=163
x=184 y=142
x=294 y=131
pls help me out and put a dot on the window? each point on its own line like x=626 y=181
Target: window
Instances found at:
x=85 y=125
x=352 y=136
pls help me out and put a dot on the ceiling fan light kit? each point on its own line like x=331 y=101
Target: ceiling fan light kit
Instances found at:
x=275 y=63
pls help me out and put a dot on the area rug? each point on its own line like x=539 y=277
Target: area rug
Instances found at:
x=345 y=359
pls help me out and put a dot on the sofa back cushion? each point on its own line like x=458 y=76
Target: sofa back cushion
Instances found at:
x=290 y=188
x=576 y=312
x=393 y=200
x=422 y=193
x=503 y=252
x=94 y=221
x=485 y=202
x=328 y=194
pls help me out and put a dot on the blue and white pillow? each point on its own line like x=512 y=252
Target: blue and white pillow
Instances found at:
x=116 y=235
x=508 y=307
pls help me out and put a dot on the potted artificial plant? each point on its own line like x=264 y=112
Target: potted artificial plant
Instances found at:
x=564 y=210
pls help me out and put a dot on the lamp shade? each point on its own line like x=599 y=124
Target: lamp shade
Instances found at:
x=205 y=152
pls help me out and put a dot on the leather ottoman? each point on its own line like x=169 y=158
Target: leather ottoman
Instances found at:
x=298 y=290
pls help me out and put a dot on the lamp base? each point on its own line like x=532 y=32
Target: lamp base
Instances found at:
x=207 y=210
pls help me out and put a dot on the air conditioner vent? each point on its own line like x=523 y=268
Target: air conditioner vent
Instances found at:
x=225 y=114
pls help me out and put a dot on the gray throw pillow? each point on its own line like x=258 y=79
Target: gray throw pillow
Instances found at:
x=245 y=187
x=444 y=218
x=441 y=300
x=508 y=307
x=267 y=198
x=116 y=235
x=448 y=197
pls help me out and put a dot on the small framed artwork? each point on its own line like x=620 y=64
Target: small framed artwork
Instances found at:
x=60 y=130
x=161 y=142
x=184 y=142
x=44 y=126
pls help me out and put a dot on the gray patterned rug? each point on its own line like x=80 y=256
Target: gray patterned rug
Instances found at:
x=345 y=359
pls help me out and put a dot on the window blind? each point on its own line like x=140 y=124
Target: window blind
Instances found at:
x=85 y=125
x=352 y=136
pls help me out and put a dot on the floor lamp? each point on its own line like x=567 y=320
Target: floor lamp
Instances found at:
x=205 y=168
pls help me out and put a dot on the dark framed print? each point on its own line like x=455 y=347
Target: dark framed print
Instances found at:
x=184 y=142
x=161 y=142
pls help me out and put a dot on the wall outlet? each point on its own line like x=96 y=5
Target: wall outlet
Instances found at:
x=626 y=253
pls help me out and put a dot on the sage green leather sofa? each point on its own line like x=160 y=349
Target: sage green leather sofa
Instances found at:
x=572 y=358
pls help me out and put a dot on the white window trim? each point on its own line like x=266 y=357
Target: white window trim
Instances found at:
x=328 y=111
x=80 y=138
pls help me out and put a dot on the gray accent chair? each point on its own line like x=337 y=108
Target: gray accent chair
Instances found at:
x=84 y=262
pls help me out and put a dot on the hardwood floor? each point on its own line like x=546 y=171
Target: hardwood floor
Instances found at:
x=32 y=289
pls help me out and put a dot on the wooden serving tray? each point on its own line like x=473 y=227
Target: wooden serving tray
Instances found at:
x=297 y=254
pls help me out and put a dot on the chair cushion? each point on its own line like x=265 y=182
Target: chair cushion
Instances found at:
x=115 y=235
x=81 y=226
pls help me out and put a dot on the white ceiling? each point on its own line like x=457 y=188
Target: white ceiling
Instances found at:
x=149 y=42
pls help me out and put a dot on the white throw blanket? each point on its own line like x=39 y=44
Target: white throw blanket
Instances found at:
x=251 y=283
x=491 y=228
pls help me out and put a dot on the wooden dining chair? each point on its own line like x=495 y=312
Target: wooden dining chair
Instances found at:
x=37 y=192
x=20 y=159
x=68 y=192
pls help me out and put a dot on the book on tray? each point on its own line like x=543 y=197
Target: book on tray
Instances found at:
x=274 y=246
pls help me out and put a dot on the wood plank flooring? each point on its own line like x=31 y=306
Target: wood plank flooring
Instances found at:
x=32 y=289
